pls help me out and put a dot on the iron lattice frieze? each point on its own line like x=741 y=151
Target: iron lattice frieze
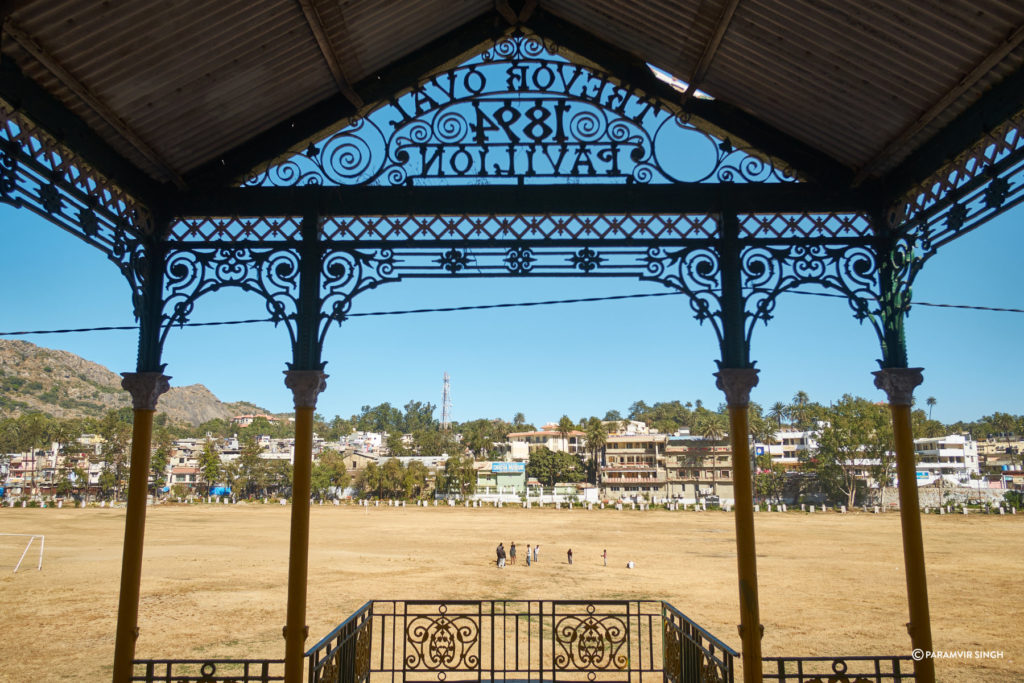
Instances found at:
x=41 y=175
x=519 y=113
x=398 y=229
x=805 y=225
x=694 y=268
x=973 y=165
x=1002 y=189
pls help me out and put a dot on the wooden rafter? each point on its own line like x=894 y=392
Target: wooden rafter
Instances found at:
x=316 y=26
x=29 y=44
x=710 y=49
x=981 y=69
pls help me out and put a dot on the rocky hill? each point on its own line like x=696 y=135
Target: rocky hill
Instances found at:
x=61 y=384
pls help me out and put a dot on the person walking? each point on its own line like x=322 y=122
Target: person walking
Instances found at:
x=569 y=554
x=512 y=552
x=536 y=548
x=527 y=554
x=604 y=556
x=501 y=555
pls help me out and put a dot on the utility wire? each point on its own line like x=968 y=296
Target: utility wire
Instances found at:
x=478 y=307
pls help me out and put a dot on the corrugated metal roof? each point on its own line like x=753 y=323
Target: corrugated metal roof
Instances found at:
x=194 y=79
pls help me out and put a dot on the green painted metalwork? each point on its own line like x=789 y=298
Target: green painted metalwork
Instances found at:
x=733 y=245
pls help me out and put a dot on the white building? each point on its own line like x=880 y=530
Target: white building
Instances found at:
x=953 y=458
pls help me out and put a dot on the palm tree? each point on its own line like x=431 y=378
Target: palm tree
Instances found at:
x=798 y=410
x=777 y=412
x=931 y=404
x=565 y=426
x=709 y=426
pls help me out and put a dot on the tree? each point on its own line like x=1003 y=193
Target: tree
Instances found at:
x=252 y=469
x=369 y=480
x=459 y=476
x=857 y=434
x=392 y=478
x=329 y=473
x=777 y=412
x=565 y=427
x=415 y=480
x=116 y=433
x=710 y=426
x=930 y=401
x=550 y=467
x=519 y=420
x=612 y=416
x=209 y=465
x=596 y=436
x=769 y=479
x=160 y=458
x=396 y=446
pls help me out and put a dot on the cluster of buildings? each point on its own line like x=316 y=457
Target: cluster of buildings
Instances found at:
x=635 y=463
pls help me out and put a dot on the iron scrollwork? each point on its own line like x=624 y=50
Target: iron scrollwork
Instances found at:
x=442 y=642
x=591 y=642
x=519 y=113
x=694 y=270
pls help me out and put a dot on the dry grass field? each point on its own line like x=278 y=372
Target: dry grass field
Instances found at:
x=214 y=578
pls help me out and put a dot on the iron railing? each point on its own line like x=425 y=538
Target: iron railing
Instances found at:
x=839 y=669
x=600 y=641
x=458 y=641
x=692 y=655
x=208 y=670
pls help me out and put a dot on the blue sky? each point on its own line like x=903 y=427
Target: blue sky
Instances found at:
x=579 y=359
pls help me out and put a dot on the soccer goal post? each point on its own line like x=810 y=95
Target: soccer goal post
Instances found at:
x=31 y=539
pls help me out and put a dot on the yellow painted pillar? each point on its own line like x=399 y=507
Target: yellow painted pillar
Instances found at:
x=737 y=383
x=145 y=388
x=899 y=383
x=305 y=386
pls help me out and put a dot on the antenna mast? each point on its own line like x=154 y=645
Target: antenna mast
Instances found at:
x=446 y=404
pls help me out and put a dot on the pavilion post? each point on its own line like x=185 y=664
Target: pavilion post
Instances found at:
x=145 y=388
x=737 y=383
x=306 y=378
x=898 y=384
x=305 y=386
x=736 y=376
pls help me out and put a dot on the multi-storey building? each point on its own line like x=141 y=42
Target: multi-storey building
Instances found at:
x=953 y=458
x=524 y=443
x=699 y=470
x=633 y=467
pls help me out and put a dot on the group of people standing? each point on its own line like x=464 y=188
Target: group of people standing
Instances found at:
x=531 y=555
x=511 y=554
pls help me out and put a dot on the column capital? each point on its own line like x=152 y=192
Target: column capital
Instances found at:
x=145 y=388
x=899 y=383
x=306 y=385
x=736 y=383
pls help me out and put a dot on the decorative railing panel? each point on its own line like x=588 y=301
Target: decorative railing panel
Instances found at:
x=208 y=670
x=838 y=669
x=603 y=641
x=691 y=654
x=344 y=653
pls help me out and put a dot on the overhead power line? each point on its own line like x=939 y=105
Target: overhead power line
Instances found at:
x=478 y=307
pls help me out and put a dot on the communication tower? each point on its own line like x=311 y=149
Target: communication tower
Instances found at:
x=446 y=404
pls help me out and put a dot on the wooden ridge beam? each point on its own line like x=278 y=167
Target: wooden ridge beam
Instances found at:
x=50 y=63
x=632 y=70
x=710 y=49
x=295 y=130
x=316 y=26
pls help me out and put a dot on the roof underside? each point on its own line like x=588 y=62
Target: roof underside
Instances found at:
x=180 y=87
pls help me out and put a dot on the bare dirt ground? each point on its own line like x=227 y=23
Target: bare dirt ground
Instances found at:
x=214 y=580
